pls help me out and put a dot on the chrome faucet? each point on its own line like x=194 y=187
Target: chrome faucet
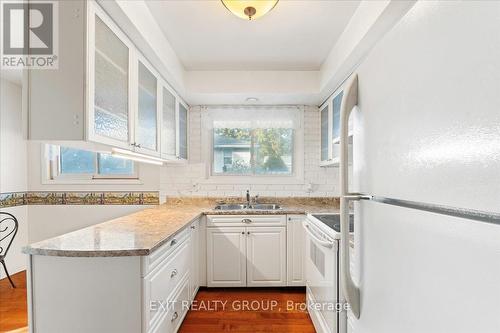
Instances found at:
x=248 y=198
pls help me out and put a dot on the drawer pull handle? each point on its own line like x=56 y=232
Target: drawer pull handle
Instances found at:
x=246 y=221
x=173 y=242
x=174 y=273
x=174 y=316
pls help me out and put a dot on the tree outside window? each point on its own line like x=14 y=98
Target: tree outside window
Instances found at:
x=257 y=151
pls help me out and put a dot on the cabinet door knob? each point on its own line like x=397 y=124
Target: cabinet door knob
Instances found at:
x=248 y=232
x=242 y=232
x=174 y=273
x=174 y=316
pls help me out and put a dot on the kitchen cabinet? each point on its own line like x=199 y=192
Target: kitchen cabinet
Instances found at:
x=183 y=131
x=330 y=129
x=109 y=93
x=295 y=250
x=246 y=250
x=126 y=294
x=175 y=313
x=325 y=133
x=169 y=123
x=196 y=261
x=147 y=117
x=226 y=257
x=266 y=256
x=111 y=96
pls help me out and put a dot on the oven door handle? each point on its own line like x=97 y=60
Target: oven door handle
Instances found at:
x=316 y=239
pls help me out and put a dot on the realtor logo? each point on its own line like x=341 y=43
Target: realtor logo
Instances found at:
x=29 y=34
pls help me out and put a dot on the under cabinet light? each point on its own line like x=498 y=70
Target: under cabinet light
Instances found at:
x=130 y=155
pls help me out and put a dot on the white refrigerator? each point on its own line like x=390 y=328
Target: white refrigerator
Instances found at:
x=426 y=171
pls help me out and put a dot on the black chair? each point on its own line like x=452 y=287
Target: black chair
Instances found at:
x=8 y=231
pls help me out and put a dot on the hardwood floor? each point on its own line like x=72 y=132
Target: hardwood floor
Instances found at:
x=248 y=310
x=256 y=310
x=13 y=305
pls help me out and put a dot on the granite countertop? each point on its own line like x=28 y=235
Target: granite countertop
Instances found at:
x=141 y=233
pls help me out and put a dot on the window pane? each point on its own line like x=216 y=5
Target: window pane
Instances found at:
x=258 y=151
x=273 y=151
x=232 y=148
x=111 y=84
x=77 y=161
x=146 y=129
x=110 y=165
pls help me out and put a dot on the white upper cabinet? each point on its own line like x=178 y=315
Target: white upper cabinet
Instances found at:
x=147 y=115
x=325 y=134
x=169 y=124
x=183 y=131
x=109 y=82
x=104 y=91
x=330 y=129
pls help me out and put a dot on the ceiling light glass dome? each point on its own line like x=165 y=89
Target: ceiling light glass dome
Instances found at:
x=249 y=9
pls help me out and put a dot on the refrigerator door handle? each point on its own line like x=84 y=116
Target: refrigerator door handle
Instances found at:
x=349 y=100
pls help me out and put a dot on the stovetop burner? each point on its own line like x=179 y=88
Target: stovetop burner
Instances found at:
x=333 y=221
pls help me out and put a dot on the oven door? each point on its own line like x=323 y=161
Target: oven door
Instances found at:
x=321 y=278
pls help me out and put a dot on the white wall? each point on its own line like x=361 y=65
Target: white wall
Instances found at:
x=190 y=179
x=13 y=166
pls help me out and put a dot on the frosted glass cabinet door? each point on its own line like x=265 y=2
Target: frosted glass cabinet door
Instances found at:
x=111 y=82
x=168 y=132
x=183 y=151
x=337 y=101
x=336 y=115
x=324 y=133
x=147 y=111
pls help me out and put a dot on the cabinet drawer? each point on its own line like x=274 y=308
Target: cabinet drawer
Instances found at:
x=245 y=220
x=176 y=310
x=160 y=283
x=150 y=262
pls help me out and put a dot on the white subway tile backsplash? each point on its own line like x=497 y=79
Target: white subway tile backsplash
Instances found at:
x=190 y=179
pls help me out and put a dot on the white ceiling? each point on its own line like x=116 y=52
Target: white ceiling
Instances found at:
x=295 y=35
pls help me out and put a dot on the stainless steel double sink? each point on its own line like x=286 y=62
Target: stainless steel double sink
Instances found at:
x=248 y=207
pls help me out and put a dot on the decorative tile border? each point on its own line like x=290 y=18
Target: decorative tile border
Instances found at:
x=78 y=198
x=12 y=199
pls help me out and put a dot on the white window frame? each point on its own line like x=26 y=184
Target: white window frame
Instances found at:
x=295 y=178
x=51 y=171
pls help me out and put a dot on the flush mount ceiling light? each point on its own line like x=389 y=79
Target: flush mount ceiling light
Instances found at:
x=249 y=9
